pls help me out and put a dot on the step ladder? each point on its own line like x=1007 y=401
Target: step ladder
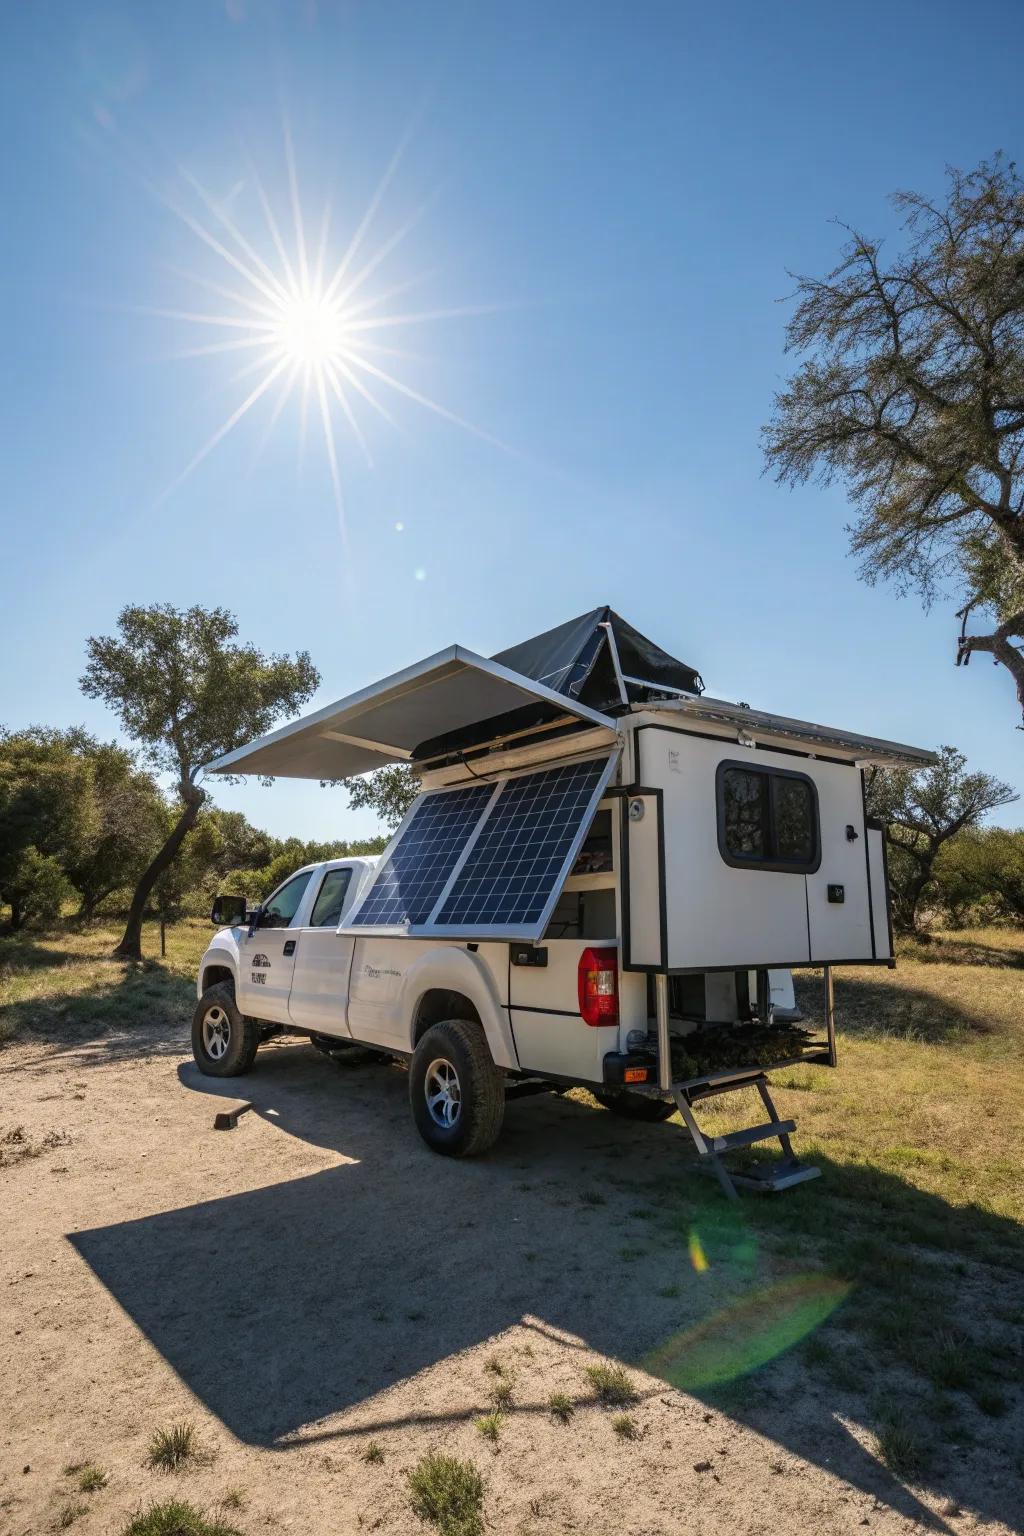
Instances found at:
x=772 y=1176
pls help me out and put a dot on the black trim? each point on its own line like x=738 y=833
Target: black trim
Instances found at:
x=778 y=866
x=563 y=1013
x=867 y=862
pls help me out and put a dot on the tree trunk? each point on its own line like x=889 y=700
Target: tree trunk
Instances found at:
x=130 y=947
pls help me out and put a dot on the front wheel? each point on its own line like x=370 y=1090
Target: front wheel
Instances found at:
x=224 y=1043
x=635 y=1106
x=456 y=1093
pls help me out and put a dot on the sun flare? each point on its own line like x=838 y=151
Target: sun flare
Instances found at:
x=309 y=323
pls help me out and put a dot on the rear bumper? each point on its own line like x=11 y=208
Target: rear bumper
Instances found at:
x=625 y=1069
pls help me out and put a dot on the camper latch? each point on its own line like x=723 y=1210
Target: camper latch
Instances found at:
x=528 y=954
x=837 y=894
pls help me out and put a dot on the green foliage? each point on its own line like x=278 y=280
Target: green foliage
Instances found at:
x=979 y=876
x=187 y=693
x=171 y=1449
x=48 y=817
x=390 y=792
x=184 y=690
x=176 y=1517
x=910 y=391
x=131 y=817
x=922 y=810
x=611 y=1384
x=448 y=1493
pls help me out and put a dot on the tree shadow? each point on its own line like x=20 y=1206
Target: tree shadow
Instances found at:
x=285 y=1305
x=129 y=1013
x=875 y=1009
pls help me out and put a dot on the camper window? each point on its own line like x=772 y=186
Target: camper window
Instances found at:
x=767 y=818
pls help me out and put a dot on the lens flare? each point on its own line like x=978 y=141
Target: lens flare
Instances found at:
x=747 y=1334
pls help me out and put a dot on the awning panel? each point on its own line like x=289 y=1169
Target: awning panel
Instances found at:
x=385 y=723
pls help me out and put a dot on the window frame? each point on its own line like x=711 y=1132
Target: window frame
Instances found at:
x=342 y=869
x=770 y=772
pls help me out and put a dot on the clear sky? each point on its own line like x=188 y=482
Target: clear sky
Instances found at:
x=615 y=191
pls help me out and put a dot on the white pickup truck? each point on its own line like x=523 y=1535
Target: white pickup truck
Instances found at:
x=599 y=884
x=284 y=968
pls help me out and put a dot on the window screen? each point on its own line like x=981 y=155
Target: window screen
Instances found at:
x=767 y=818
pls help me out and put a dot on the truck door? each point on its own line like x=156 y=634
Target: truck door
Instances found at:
x=266 y=958
x=323 y=960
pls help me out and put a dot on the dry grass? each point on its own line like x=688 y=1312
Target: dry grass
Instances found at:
x=172 y=1449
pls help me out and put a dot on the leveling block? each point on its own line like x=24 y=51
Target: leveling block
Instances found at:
x=227 y=1119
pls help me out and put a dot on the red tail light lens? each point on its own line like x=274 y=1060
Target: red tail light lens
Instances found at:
x=599 y=986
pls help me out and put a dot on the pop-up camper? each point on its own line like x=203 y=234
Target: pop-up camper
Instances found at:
x=603 y=874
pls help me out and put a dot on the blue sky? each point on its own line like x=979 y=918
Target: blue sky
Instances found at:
x=615 y=190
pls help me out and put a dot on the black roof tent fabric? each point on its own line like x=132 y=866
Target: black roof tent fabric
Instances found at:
x=576 y=659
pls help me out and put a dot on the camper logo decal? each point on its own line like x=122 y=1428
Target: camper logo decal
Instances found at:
x=260 y=963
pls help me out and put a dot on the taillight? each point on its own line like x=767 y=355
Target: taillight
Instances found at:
x=598 y=981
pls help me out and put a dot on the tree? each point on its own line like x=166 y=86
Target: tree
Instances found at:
x=912 y=393
x=131 y=824
x=922 y=809
x=48 y=817
x=390 y=792
x=979 y=875
x=187 y=694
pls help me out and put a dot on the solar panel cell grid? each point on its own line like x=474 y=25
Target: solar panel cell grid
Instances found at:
x=512 y=868
x=408 y=885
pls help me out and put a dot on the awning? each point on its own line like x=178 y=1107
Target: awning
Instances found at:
x=447 y=693
x=864 y=749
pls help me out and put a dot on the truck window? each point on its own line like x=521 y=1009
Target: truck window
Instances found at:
x=283 y=905
x=767 y=818
x=330 y=898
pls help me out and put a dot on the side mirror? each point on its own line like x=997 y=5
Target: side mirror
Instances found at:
x=229 y=911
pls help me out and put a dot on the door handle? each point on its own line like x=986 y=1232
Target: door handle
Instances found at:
x=289 y=946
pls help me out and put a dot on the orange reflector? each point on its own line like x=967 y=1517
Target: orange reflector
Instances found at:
x=635 y=1075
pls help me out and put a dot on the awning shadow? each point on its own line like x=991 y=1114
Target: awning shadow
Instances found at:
x=286 y=1304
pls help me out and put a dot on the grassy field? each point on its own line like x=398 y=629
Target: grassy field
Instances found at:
x=909 y=1253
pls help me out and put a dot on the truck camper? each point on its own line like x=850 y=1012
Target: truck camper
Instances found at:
x=603 y=882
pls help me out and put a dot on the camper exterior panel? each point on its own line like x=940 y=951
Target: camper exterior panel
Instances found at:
x=840 y=929
x=718 y=916
x=643 y=939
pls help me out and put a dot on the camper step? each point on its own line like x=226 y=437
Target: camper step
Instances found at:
x=751 y=1134
x=776 y=1175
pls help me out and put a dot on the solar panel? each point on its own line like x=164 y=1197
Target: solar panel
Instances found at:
x=514 y=869
x=407 y=885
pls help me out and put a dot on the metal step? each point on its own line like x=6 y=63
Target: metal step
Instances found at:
x=753 y=1133
x=776 y=1175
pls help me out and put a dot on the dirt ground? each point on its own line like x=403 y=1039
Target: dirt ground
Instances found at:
x=315 y=1280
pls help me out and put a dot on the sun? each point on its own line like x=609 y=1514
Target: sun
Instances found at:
x=303 y=321
x=311 y=330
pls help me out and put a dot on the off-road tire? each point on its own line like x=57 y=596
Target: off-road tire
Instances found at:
x=217 y=1004
x=482 y=1089
x=635 y=1106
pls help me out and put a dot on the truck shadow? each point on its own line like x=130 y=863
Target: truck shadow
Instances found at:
x=287 y=1304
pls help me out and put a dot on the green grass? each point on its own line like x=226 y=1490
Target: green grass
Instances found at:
x=900 y=1444
x=490 y=1425
x=561 y=1407
x=374 y=1453
x=501 y=1395
x=91 y=1477
x=611 y=1385
x=174 y=1448
x=626 y=1427
x=176 y=1517
x=444 y=1492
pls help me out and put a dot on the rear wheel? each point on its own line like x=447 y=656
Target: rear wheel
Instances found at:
x=456 y=1093
x=635 y=1106
x=224 y=1043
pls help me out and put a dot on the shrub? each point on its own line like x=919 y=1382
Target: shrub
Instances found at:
x=611 y=1385
x=444 y=1491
